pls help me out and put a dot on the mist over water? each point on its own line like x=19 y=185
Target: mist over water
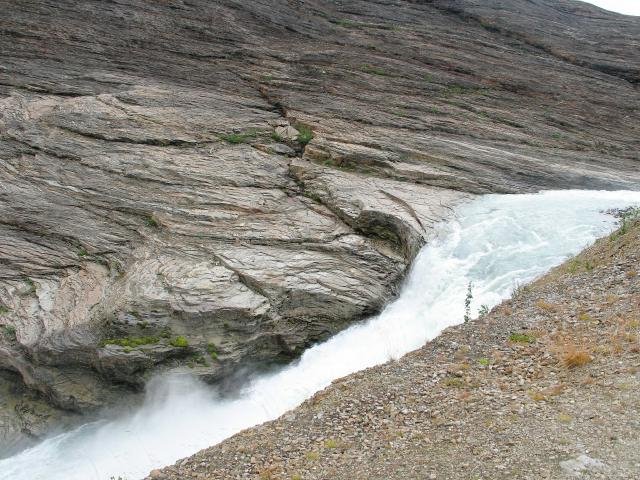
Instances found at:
x=496 y=242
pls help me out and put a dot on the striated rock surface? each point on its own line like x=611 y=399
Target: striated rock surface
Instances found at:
x=194 y=184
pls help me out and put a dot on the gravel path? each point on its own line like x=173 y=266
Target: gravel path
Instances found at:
x=543 y=387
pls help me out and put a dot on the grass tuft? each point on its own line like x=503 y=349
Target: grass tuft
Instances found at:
x=572 y=356
x=305 y=134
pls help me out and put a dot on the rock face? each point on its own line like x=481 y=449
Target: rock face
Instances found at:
x=205 y=184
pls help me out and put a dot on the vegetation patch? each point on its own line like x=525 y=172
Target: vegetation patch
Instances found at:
x=484 y=362
x=457 y=90
x=305 y=134
x=521 y=338
x=331 y=443
x=152 y=221
x=9 y=331
x=546 y=306
x=4 y=310
x=572 y=356
x=628 y=218
x=453 y=382
x=131 y=342
x=212 y=351
x=312 y=456
x=179 y=341
x=374 y=70
x=31 y=287
x=235 y=138
x=577 y=265
x=196 y=360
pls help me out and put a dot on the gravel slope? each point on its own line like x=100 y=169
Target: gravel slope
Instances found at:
x=544 y=386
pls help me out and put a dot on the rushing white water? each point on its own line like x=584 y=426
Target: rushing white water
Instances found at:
x=495 y=242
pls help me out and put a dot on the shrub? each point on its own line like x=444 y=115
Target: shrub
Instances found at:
x=211 y=350
x=179 y=342
x=4 y=310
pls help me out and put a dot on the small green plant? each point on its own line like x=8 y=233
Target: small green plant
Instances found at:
x=179 y=342
x=575 y=265
x=373 y=70
x=4 y=310
x=152 y=221
x=305 y=134
x=130 y=342
x=9 y=331
x=276 y=137
x=31 y=286
x=212 y=351
x=196 y=360
x=453 y=382
x=235 y=138
x=312 y=456
x=521 y=338
x=484 y=310
x=467 y=303
x=82 y=252
x=483 y=362
x=331 y=443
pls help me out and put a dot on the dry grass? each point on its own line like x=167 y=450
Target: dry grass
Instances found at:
x=575 y=357
x=546 y=306
x=573 y=348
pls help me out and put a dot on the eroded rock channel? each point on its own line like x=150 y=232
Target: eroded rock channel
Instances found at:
x=202 y=185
